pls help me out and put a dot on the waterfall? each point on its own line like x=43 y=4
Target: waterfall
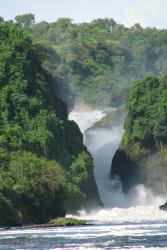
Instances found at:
x=102 y=143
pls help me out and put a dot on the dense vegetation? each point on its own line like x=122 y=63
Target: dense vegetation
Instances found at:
x=45 y=167
x=142 y=155
x=146 y=122
x=59 y=222
x=97 y=61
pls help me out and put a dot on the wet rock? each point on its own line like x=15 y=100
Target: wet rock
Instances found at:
x=164 y=206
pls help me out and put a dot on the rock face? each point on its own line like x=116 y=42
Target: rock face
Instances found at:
x=164 y=206
x=126 y=168
x=142 y=154
x=148 y=168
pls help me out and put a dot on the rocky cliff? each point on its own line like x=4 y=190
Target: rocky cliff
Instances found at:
x=142 y=154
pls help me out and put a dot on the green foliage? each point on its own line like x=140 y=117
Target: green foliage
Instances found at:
x=32 y=189
x=147 y=113
x=142 y=155
x=38 y=144
x=97 y=61
x=81 y=175
x=75 y=196
x=81 y=170
x=67 y=222
x=26 y=20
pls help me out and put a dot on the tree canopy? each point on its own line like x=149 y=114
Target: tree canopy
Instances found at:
x=26 y=20
x=38 y=145
x=98 y=61
x=146 y=104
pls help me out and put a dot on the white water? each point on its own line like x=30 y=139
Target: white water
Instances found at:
x=140 y=204
x=94 y=237
x=102 y=144
x=126 y=222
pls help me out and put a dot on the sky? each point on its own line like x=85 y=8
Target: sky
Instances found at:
x=146 y=12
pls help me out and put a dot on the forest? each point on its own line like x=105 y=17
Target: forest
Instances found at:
x=98 y=61
x=45 y=168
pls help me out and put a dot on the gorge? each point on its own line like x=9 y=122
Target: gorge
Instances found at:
x=125 y=222
x=100 y=160
x=103 y=143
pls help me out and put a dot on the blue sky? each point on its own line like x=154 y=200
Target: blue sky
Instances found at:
x=147 y=12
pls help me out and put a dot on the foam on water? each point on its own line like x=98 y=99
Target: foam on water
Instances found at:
x=99 y=236
x=140 y=204
x=130 y=221
x=86 y=119
x=136 y=214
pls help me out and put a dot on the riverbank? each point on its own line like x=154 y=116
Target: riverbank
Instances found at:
x=58 y=222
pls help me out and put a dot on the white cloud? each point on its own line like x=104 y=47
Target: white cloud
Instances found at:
x=146 y=12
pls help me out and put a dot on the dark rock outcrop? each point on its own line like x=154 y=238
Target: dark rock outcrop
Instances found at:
x=126 y=168
x=164 y=206
x=142 y=154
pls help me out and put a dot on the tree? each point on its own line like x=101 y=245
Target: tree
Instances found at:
x=88 y=51
x=26 y=20
x=37 y=142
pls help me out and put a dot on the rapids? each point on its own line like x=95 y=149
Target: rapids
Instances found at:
x=130 y=221
x=140 y=204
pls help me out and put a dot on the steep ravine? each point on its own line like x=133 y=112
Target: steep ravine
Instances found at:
x=102 y=141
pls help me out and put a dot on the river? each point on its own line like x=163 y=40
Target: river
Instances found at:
x=127 y=221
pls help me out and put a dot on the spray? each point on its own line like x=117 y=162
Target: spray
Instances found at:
x=102 y=143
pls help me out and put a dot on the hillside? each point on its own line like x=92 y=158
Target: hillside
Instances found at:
x=142 y=155
x=98 y=61
x=45 y=168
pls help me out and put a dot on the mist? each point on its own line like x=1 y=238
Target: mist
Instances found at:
x=102 y=143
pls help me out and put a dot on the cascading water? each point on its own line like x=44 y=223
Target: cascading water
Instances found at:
x=102 y=144
x=126 y=222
